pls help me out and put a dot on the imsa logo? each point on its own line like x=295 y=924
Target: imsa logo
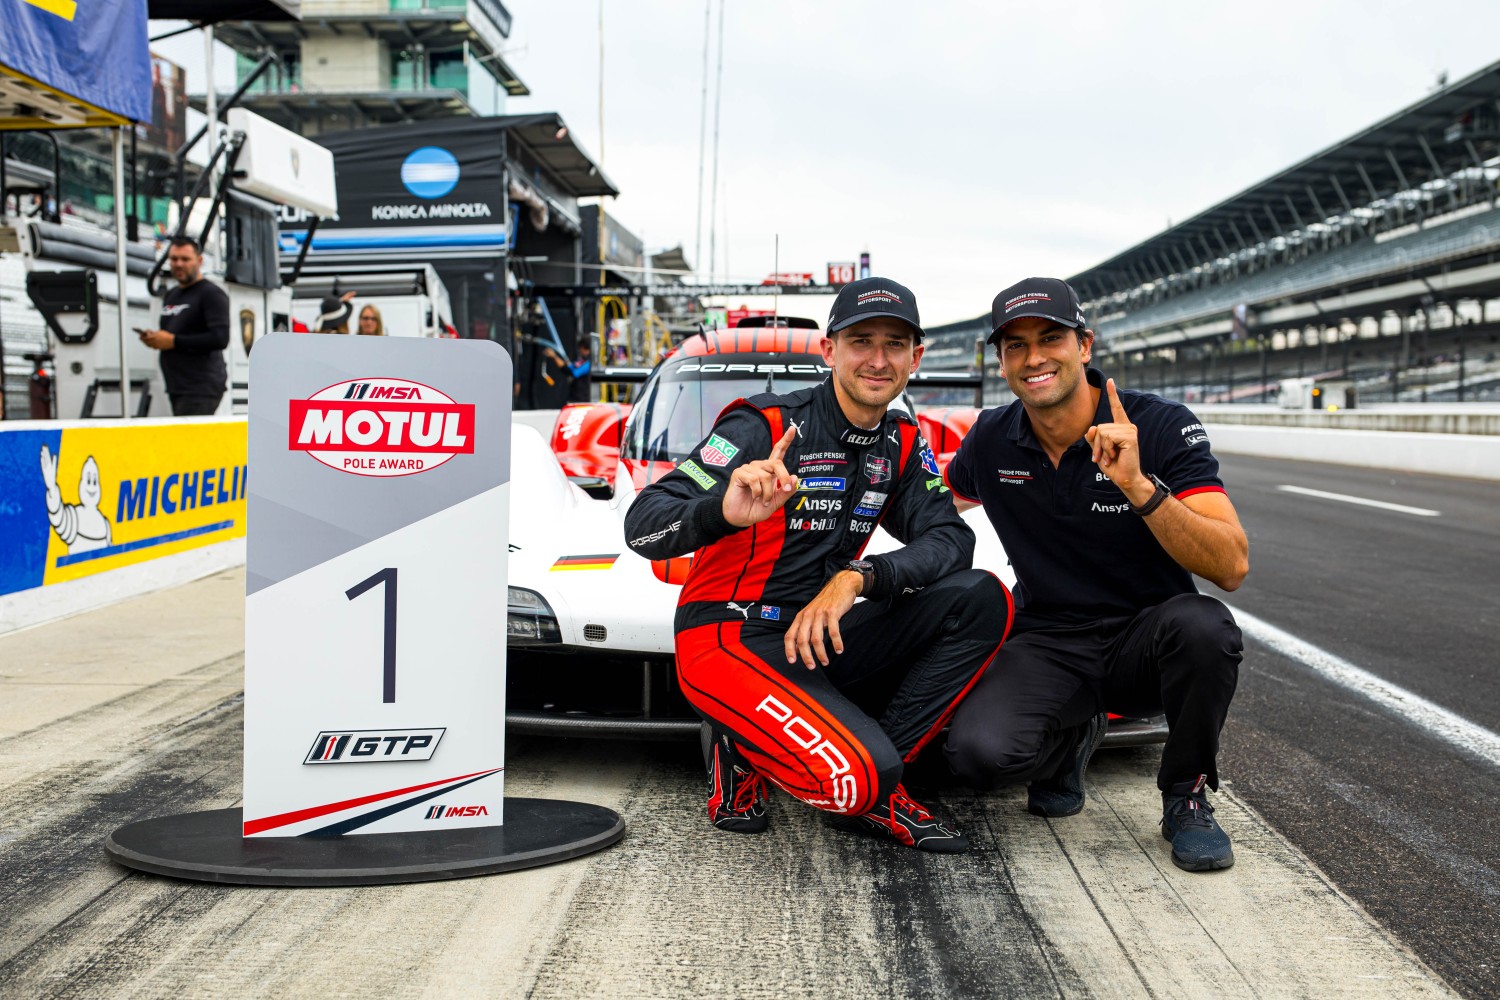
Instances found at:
x=449 y=812
x=374 y=746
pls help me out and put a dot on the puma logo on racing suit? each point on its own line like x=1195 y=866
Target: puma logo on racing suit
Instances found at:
x=735 y=607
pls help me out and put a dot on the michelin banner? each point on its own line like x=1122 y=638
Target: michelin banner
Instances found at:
x=78 y=500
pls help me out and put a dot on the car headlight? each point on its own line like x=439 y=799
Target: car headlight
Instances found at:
x=530 y=621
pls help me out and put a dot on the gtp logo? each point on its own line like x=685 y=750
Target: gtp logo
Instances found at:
x=374 y=746
x=448 y=812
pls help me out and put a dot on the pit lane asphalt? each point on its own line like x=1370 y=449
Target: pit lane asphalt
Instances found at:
x=1402 y=821
x=135 y=711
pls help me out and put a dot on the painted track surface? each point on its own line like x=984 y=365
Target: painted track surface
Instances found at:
x=1406 y=823
x=1088 y=906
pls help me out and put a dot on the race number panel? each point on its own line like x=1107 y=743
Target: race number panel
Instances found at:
x=375 y=585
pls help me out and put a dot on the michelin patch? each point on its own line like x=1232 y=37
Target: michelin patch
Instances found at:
x=823 y=483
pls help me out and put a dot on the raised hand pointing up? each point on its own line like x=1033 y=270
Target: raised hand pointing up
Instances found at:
x=1116 y=450
x=759 y=489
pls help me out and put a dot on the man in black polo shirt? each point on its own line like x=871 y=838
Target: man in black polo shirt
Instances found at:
x=1107 y=501
x=194 y=332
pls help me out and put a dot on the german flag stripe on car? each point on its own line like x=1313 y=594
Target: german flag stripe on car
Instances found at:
x=604 y=561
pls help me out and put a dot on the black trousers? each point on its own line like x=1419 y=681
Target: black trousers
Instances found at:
x=1022 y=720
x=838 y=737
x=194 y=404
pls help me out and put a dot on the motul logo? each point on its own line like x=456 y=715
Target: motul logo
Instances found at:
x=381 y=427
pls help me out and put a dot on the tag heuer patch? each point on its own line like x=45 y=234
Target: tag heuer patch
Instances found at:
x=718 y=451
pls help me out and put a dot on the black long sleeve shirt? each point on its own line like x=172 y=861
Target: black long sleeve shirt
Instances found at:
x=197 y=316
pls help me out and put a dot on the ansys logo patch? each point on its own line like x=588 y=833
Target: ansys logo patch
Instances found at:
x=429 y=172
x=381 y=427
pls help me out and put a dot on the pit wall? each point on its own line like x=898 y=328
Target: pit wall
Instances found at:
x=139 y=506
x=1442 y=439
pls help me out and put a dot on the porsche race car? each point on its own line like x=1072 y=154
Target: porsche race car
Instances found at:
x=590 y=622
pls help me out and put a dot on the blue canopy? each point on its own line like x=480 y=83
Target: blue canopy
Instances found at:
x=73 y=63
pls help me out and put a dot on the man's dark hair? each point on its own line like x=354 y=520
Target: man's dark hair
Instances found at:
x=187 y=241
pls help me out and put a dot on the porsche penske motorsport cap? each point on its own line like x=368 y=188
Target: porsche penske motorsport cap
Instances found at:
x=871 y=297
x=1049 y=298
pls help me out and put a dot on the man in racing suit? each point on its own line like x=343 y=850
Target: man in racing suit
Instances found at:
x=778 y=503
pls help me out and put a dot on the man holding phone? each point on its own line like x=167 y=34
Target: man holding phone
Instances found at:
x=194 y=332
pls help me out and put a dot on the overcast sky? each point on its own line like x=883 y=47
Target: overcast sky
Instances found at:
x=968 y=145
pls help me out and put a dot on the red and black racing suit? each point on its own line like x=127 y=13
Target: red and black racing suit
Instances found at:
x=925 y=633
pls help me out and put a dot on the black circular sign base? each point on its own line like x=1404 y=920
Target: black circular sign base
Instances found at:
x=209 y=847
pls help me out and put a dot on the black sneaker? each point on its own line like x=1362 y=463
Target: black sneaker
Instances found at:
x=907 y=822
x=1199 y=844
x=1062 y=794
x=736 y=794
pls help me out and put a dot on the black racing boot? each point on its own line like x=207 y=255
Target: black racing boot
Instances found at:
x=907 y=822
x=1199 y=844
x=736 y=794
x=1062 y=794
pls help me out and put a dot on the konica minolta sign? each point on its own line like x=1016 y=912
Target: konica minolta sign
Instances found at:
x=433 y=188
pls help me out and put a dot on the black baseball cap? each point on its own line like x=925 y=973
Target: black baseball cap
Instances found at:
x=1049 y=298
x=871 y=297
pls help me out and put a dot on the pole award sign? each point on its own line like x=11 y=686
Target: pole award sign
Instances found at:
x=376 y=586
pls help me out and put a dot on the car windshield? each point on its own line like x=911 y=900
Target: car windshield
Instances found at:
x=688 y=395
x=684 y=400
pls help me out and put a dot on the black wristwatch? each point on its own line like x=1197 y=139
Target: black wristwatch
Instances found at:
x=1157 y=499
x=866 y=571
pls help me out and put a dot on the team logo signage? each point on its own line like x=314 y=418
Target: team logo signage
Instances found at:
x=381 y=427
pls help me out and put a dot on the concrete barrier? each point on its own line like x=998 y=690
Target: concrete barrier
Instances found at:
x=1418 y=418
x=1474 y=456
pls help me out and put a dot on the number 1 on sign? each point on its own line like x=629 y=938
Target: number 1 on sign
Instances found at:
x=386 y=576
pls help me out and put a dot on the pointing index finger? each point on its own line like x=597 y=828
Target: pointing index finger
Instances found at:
x=779 y=451
x=1115 y=406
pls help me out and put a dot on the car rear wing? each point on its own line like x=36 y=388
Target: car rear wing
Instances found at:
x=950 y=380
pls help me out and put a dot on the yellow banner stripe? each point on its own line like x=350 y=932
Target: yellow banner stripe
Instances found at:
x=64 y=9
x=96 y=116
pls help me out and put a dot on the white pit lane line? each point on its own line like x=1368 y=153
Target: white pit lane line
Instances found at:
x=1432 y=718
x=1363 y=502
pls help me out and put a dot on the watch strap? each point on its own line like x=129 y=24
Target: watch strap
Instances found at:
x=1157 y=499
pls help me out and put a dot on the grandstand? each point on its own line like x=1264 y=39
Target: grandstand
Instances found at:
x=1374 y=263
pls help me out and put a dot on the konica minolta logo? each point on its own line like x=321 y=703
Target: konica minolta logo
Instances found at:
x=374 y=746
